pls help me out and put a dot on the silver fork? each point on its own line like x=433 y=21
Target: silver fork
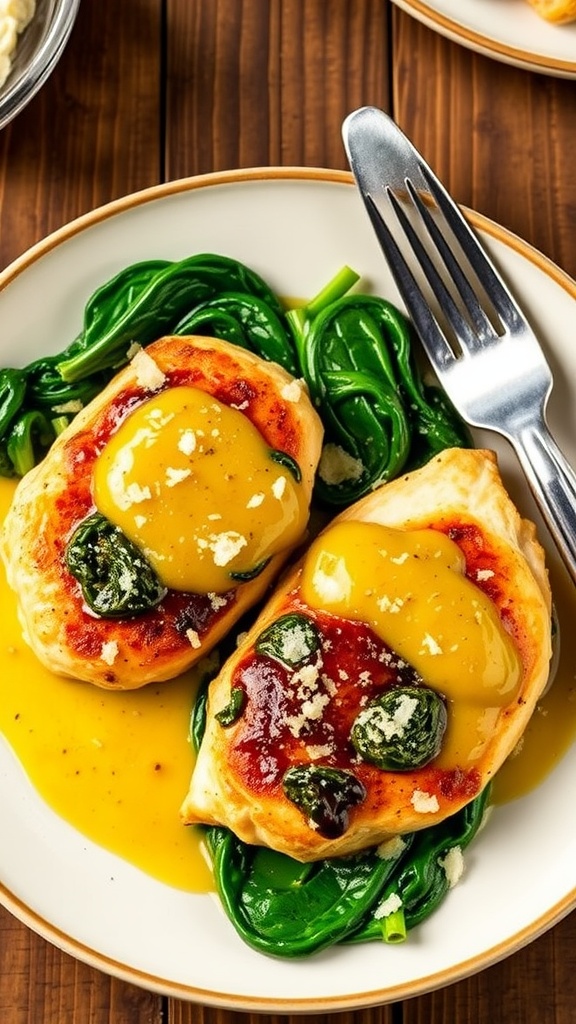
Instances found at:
x=484 y=353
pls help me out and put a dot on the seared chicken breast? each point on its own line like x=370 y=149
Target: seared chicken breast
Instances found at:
x=162 y=512
x=389 y=676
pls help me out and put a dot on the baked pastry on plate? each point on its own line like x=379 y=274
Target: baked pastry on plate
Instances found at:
x=162 y=512
x=558 y=11
x=390 y=674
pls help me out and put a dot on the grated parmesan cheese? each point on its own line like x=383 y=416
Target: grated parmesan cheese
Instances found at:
x=424 y=803
x=109 y=651
x=400 y=559
x=278 y=487
x=294 y=645
x=430 y=645
x=193 y=639
x=135 y=494
x=306 y=678
x=336 y=466
x=386 y=605
x=335 y=585
x=319 y=750
x=484 y=574
x=176 y=476
x=292 y=392
x=453 y=865
x=225 y=546
x=187 y=442
x=330 y=685
x=148 y=373
x=391 y=849
x=388 y=906
x=378 y=722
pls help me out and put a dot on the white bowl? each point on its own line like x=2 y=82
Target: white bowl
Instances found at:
x=37 y=53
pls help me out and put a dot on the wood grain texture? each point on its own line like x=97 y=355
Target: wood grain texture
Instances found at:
x=182 y=1013
x=269 y=82
x=535 y=986
x=92 y=133
x=41 y=985
x=502 y=140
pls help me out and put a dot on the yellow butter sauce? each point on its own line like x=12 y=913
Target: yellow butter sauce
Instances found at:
x=410 y=587
x=552 y=727
x=115 y=765
x=172 y=479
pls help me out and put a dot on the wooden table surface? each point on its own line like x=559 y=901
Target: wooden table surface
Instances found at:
x=153 y=90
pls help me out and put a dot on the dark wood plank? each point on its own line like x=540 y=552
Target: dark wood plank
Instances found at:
x=92 y=133
x=268 y=82
x=41 y=985
x=183 y=1013
x=503 y=142
x=501 y=139
x=535 y=985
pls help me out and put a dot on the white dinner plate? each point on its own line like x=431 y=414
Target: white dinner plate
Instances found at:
x=508 y=30
x=296 y=227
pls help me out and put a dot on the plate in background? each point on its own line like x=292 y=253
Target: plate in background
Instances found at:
x=507 y=30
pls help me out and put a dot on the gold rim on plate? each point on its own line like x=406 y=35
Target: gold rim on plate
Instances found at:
x=484 y=44
x=212 y=997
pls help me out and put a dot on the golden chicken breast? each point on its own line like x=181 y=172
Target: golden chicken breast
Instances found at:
x=162 y=512
x=390 y=674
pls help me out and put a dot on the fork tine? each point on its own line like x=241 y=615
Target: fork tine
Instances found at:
x=483 y=268
x=466 y=335
x=483 y=328
x=422 y=316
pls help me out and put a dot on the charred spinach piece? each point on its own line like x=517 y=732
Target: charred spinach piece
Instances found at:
x=28 y=441
x=283 y=459
x=288 y=909
x=116 y=579
x=12 y=392
x=356 y=355
x=325 y=795
x=234 y=708
x=249 y=574
x=401 y=729
x=148 y=300
x=291 y=639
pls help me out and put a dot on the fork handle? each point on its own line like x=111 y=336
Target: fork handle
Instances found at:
x=553 y=484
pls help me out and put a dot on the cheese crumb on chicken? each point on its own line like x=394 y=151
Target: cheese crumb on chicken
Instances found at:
x=148 y=373
x=424 y=803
